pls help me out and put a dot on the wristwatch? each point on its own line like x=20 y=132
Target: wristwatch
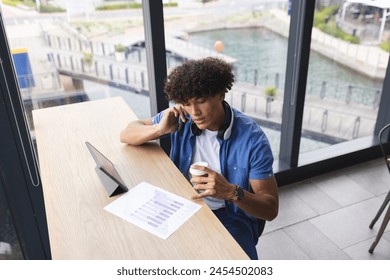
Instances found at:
x=238 y=193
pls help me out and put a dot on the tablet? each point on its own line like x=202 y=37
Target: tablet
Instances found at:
x=107 y=167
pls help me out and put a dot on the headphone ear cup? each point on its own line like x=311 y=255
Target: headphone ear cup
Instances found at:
x=221 y=133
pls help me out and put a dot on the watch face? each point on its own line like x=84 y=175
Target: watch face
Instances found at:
x=239 y=193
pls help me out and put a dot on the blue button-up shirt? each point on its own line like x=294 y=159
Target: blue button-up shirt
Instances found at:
x=245 y=155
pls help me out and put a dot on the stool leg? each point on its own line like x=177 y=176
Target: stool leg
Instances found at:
x=381 y=230
x=383 y=206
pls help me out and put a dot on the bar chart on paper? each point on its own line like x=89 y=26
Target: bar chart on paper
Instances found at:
x=153 y=209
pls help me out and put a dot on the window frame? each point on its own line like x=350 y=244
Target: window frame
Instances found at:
x=19 y=171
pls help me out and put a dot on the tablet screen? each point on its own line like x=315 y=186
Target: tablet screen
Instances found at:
x=105 y=165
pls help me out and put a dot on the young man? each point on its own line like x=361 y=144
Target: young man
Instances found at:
x=240 y=187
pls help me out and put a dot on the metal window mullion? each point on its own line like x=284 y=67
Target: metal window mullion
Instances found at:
x=301 y=24
x=156 y=58
x=384 y=108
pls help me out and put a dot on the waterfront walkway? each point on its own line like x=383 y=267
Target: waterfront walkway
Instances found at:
x=324 y=119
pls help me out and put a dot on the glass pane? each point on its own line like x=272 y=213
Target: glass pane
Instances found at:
x=77 y=51
x=66 y=51
x=253 y=37
x=346 y=73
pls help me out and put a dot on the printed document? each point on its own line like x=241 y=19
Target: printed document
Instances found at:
x=153 y=209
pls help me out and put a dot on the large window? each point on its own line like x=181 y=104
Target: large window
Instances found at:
x=323 y=110
x=81 y=53
x=309 y=90
x=345 y=77
x=75 y=54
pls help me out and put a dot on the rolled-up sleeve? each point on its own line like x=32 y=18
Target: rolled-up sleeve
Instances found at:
x=261 y=159
x=157 y=118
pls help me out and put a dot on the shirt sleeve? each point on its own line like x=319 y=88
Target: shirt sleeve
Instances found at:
x=157 y=118
x=261 y=159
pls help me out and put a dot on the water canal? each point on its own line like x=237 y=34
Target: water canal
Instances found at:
x=265 y=51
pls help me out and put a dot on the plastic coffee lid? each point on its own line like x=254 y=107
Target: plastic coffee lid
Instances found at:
x=198 y=172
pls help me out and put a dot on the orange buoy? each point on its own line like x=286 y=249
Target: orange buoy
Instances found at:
x=218 y=46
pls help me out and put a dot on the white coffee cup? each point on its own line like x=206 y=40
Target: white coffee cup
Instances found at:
x=199 y=173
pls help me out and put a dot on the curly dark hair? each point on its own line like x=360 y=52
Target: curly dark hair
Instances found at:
x=198 y=78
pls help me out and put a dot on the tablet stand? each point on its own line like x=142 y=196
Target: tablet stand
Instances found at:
x=112 y=188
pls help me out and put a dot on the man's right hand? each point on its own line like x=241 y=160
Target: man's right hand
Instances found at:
x=170 y=120
x=141 y=131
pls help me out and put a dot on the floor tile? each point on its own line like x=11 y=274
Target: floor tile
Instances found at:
x=327 y=217
x=292 y=209
x=314 y=243
x=342 y=189
x=360 y=250
x=315 y=198
x=386 y=235
x=277 y=245
x=349 y=225
x=365 y=175
x=378 y=223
